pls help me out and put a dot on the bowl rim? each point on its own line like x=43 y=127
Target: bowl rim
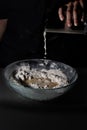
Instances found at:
x=30 y=87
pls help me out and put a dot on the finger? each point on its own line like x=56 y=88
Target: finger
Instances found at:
x=69 y=15
x=75 y=15
x=81 y=3
x=60 y=14
x=82 y=8
x=82 y=18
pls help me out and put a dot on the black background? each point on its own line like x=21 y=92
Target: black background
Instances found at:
x=68 y=48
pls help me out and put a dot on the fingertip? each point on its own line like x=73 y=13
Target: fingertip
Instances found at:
x=69 y=25
x=82 y=20
x=61 y=18
x=75 y=24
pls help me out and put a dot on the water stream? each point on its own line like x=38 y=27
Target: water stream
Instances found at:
x=45 y=44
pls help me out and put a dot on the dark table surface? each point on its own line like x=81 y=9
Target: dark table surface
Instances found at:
x=68 y=111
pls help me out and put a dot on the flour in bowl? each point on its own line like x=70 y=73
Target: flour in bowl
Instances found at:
x=40 y=78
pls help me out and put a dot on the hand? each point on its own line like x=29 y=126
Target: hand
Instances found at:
x=73 y=14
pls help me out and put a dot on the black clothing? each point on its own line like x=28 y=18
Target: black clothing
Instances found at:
x=24 y=34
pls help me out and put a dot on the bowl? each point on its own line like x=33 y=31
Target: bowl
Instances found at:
x=38 y=93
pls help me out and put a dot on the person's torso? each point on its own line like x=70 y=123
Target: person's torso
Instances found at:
x=26 y=21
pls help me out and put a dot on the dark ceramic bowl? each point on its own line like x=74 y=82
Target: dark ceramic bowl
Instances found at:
x=40 y=94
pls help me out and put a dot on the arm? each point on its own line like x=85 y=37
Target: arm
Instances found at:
x=73 y=13
x=3 y=24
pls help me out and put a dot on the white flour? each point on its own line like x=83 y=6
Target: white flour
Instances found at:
x=52 y=78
